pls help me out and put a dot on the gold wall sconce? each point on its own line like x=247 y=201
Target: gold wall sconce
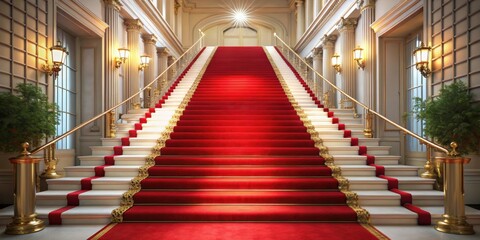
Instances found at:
x=59 y=55
x=336 y=63
x=421 y=58
x=358 y=57
x=144 y=60
x=123 y=54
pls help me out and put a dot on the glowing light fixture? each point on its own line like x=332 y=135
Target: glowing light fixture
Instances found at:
x=336 y=63
x=144 y=60
x=358 y=57
x=59 y=54
x=123 y=54
x=240 y=17
x=421 y=57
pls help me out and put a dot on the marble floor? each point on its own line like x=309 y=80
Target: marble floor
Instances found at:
x=394 y=232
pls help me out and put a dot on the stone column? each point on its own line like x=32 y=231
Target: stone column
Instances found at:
x=317 y=6
x=178 y=19
x=328 y=46
x=149 y=75
x=318 y=66
x=132 y=73
x=162 y=54
x=308 y=12
x=300 y=18
x=172 y=70
x=346 y=27
x=112 y=18
x=367 y=8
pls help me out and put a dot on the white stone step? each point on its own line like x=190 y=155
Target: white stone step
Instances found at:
x=472 y=214
x=127 y=150
x=87 y=215
x=110 y=171
x=353 y=150
x=367 y=183
x=347 y=142
x=357 y=171
x=401 y=170
x=102 y=183
x=427 y=197
x=136 y=160
x=391 y=215
x=341 y=160
x=378 y=198
x=88 y=198
x=327 y=133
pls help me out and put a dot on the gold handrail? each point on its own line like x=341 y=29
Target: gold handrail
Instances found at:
x=406 y=131
x=58 y=138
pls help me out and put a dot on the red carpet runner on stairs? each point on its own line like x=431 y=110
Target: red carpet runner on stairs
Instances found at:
x=240 y=153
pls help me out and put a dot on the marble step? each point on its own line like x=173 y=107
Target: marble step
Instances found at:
x=120 y=160
x=347 y=142
x=386 y=215
x=88 y=198
x=127 y=150
x=353 y=150
x=389 y=198
x=390 y=170
x=327 y=133
x=375 y=183
x=110 y=171
x=102 y=183
x=341 y=160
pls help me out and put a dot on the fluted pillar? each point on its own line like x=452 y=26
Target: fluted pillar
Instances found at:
x=318 y=66
x=300 y=18
x=178 y=19
x=346 y=28
x=162 y=54
x=132 y=79
x=308 y=12
x=368 y=43
x=112 y=18
x=317 y=6
x=328 y=46
x=149 y=41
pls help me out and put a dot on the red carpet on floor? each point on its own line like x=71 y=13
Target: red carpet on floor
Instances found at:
x=240 y=153
x=239 y=231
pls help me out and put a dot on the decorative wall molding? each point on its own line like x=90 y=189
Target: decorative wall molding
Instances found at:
x=395 y=16
x=83 y=20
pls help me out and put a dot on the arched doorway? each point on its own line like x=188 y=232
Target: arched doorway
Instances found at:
x=240 y=36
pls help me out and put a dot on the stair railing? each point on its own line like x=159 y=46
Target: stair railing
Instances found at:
x=453 y=219
x=25 y=219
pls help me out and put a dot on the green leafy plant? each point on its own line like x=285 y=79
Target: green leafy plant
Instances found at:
x=26 y=116
x=451 y=116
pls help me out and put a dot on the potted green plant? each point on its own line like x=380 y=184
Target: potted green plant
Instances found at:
x=452 y=116
x=26 y=116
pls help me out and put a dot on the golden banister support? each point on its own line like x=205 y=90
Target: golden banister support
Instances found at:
x=453 y=219
x=367 y=131
x=429 y=166
x=24 y=218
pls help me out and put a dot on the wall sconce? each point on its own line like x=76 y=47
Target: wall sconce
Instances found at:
x=336 y=63
x=59 y=54
x=123 y=54
x=358 y=57
x=421 y=57
x=144 y=60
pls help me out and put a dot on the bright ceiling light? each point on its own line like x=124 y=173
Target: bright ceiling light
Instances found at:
x=240 y=17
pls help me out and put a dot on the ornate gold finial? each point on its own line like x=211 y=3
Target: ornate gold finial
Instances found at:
x=454 y=152
x=25 y=147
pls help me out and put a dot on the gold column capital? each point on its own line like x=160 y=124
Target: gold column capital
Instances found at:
x=133 y=24
x=114 y=3
x=317 y=52
x=347 y=24
x=149 y=38
x=328 y=41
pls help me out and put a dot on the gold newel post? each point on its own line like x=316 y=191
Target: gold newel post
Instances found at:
x=429 y=166
x=24 y=219
x=50 y=171
x=454 y=220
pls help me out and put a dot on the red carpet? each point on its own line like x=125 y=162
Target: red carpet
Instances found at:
x=240 y=153
x=239 y=231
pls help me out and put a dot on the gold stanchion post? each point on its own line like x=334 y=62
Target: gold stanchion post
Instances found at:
x=24 y=219
x=454 y=220
x=50 y=171
x=368 y=132
x=429 y=167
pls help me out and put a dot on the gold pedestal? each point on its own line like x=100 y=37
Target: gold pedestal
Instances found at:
x=454 y=220
x=24 y=218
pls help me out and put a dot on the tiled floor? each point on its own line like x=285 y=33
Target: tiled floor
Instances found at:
x=394 y=232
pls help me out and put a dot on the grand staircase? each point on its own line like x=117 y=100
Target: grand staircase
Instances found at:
x=240 y=150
